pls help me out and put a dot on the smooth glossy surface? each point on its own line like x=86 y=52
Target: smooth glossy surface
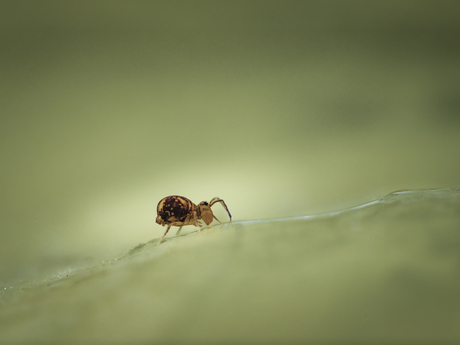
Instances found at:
x=387 y=272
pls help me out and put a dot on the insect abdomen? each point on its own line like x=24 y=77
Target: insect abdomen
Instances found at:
x=174 y=208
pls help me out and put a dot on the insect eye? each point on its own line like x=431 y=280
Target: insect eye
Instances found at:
x=206 y=204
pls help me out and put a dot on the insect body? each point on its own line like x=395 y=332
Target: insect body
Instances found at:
x=178 y=211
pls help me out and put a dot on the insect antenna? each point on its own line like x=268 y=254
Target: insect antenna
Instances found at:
x=216 y=200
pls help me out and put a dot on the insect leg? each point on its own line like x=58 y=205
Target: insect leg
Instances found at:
x=177 y=233
x=221 y=224
x=197 y=224
x=217 y=219
x=161 y=239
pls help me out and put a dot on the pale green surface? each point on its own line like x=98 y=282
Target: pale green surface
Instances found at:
x=280 y=108
x=384 y=273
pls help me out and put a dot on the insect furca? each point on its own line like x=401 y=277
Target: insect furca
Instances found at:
x=178 y=211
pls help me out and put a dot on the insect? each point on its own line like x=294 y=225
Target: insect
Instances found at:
x=178 y=211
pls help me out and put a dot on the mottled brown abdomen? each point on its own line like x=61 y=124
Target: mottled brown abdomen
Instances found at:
x=174 y=208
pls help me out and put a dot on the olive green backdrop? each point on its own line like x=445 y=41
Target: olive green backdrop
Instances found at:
x=281 y=108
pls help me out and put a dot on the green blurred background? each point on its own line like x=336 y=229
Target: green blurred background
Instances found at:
x=281 y=108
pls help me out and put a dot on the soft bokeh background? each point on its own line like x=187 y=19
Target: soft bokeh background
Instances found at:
x=281 y=108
